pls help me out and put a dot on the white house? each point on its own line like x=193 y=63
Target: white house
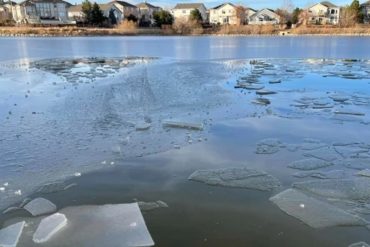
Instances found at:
x=41 y=12
x=127 y=8
x=146 y=12
x=183 y=10
x=323 y=13
x=365 y=9
x=248 y=13
x=109 y=10
x=227 y=13
x=264 y=17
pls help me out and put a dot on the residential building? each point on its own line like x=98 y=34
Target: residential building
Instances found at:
x=183 y=10
x=365 y=9
x=323 y=13
x=48 y=12
x=109 y=10
x=264 y=17
x=127 y=9
x=146 y=12
x=227 y=13
x=248 y=13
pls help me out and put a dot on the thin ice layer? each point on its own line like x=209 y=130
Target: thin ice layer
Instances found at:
x=240 y=177
x=49 y=226
x=9 y=236
x=309 y=164
x=347 y=189
x=314 y=212
x=40 y=206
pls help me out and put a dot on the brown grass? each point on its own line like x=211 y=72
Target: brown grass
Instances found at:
x=332 y=30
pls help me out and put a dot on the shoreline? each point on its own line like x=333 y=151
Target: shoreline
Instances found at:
x=102 y=32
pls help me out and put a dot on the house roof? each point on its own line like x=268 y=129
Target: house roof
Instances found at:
x=366 y=3
x=255 y=10
x=31 y=2
x=328 y=4
x=188 y=5
x=124 y=4
x=146 y=5
x=75 y=8
x=221 y=5
x=263 y=10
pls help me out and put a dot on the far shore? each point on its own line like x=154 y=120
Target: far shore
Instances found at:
x=24 y=31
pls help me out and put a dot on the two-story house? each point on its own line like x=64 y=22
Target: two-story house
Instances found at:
x=183 y=10
x=227 y=13
x=264 y=17
x=146 y=12
x=365 y=10
x=323 y=13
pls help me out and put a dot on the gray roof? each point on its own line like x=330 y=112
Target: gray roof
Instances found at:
x=146 y=5
x=124 y=4
x=221 y=5
x=31 y=2
x=188 y=5
x=328 y=4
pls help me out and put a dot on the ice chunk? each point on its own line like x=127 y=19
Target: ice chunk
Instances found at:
x=147 y=206
x=261 y=101
x=349 y=113
x=265 y=92
x=9 y=236
x=49 y=226
x=359 y=244
x=365 y=173
x=355 y=189
x=358 y=164
x=273 y=81
x=309 y=164
x=333 y=174
x=40 y=206
x=268 y=146
x=312 y=144
x=105 y=225
x=240 y=177
x=179 y=124
x=142 y=126
x=314 y=212
x=326 y=153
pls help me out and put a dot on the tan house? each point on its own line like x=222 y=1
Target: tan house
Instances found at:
x=264 y=17
x=323 y=13
x=227 y=13
x=146 y=12
x=5 y=14
x=248 y=13
x=182 y=11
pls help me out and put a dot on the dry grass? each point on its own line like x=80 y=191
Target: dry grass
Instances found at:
x=332 y=30
x=248 y=30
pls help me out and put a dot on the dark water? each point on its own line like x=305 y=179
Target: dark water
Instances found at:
x=198 y=214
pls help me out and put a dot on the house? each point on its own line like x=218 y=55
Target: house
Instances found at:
x=323 y=13
x=264 y=17
x=110 y=11
x=227 y=13
x=146 y=12
x=183 y=10
x=248 y=13
x=127 y=9
x=5 y=14
x=47 y=12
x=365 y=10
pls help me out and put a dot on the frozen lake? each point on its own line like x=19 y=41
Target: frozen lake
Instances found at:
x=273 y=129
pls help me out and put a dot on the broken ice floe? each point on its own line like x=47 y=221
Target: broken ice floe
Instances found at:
x=358 y=164
x=269 y=146
x=40 y=206
x=333 y=174
x=359 y=244
x=365 y=173
x=48 y=227
x=9 y=236
x=355 y=189
x=148 y=206
x=314 y=212
x=181 y=124
x=240 y=177
x=325 y=153
x=309 y=164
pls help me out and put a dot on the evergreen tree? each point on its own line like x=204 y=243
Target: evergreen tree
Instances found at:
x=295 y=15
x=355 y=8
x=195 y=15
x=163 y=17
x=86 y=10
x=97 y=16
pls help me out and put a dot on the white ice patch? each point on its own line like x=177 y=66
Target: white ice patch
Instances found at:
x=49 y=226
x=309 y=164
x=40 y=206
x=9 y=236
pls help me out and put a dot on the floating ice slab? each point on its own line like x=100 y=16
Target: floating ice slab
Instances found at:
x=309 y=164
x=9 y=236
x=40 y=206
x=347 y=189
x=268 y=146
x=180 y=124
x=325 y=153
x=365 y=173
x=147 y=206
x=49 y=226
x=142 y=126
x=359 y=244
x=314 y=212
x=106 y=225
x=333 y=174
x=240 y=177
x=358 y=164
